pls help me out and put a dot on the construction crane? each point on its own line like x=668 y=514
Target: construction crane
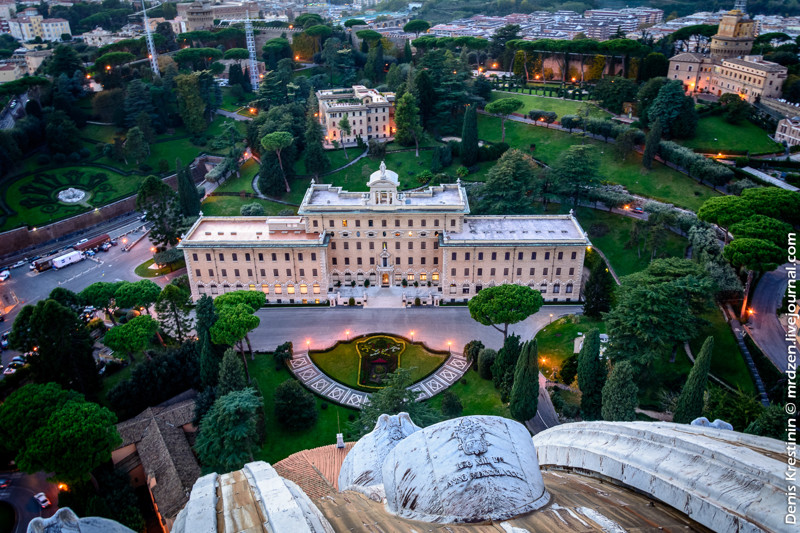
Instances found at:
x=151 y=47
x=251 y=48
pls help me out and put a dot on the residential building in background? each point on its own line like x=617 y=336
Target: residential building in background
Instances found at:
x=29 y=27
x=370 y=113
x=788 y=131
x=385 y=238
x=10 y=72
x=201 y=15
x=750 y=77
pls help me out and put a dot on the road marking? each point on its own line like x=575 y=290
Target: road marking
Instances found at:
x=80 y=274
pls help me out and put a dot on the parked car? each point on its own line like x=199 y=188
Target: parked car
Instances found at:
x=4 y=341
x=4 y=275
x=42 y=499
x=9 y=371
x=18 y=264
x=4 y=483
x=90 y=253
x=638 y=210
x=113 y=242
x=17 y=359
x=106 y=246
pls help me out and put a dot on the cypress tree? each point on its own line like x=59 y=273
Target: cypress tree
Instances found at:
x=651 y=144
x=231 y=374
x=525 y=391
x=407 y=56
x=690 y=402
x=506 y=361
x=209 y=360
x=469 y=137
x=599 y=291
x=316 y=159
x=187 y=192
x=619 y=394
x=591 y=376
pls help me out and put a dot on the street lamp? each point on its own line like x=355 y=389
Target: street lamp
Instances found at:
x=412 y=335
x=347 y=332
x=449 y=350
x=551 y=318
x=308 y=345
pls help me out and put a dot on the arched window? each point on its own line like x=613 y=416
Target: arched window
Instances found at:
x=303 y=288
x=316 y=288
x=569 y=288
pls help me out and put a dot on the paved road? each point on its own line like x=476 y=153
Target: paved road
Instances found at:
x=763 y=324
x=322 y=327
x=234 y=116
x=20 y=495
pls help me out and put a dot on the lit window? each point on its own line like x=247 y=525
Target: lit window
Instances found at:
x=303 y=288
x=435 y=276
x=316 y=288
x=265 y=289
x=290 y=289
x=411 y=277
x=344 y=223
x=423 y=277
x=278 y=289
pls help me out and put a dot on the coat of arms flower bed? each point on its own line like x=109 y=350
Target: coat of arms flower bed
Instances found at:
x=378 y=356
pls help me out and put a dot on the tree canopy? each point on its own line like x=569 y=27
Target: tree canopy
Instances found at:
x=504 y=304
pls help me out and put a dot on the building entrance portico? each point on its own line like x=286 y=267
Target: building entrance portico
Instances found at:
x=385 y=279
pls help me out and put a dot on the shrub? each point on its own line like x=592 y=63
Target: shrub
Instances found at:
x=295 y=407
x=451 y=405
x=351 y=301
x=366 y=282
x=95 y=324
x=377 y=149
x=283 y=354
x=198 y=140
x=417 y=301
x=492 y=152
x=74 y=157
x=485 y=361
x=43 y=159
x=462 y=172
x=84 y=152
x=163 y=166
x=144 y=167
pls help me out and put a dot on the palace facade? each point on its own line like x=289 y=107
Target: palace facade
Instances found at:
x=385 y=238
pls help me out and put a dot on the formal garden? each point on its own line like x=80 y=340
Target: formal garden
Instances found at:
x=364 y=362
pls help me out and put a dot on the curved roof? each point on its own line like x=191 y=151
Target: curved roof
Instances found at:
x=725 y=480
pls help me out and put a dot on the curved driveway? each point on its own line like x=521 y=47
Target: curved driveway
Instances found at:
x=20 y=495
x=763 y=325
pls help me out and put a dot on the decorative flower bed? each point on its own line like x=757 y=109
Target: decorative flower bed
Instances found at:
x=378 y=356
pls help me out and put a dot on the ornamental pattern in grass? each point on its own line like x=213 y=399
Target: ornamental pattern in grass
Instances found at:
x=378 y=356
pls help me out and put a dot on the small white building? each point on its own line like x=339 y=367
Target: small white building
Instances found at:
x=788 y=131
x=369 y=112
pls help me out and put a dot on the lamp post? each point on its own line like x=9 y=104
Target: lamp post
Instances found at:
x=308 y=345
x=347 y=332
x=449 y=350
x=412 y=335
x=551 y=318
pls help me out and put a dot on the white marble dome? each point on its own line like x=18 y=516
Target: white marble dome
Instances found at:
x=468 y=469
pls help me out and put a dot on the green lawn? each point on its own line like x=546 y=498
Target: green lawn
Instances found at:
x=715 y=134
x=557 y=341
x=229 y=103
x=109 y=382
x=243 y=183
x=231 y=205
x=727 y=362
x=406 y=164
x=478 y=397
x=660 y=183
x=39 y=192
x=103 y=134
x=336 y=157
x=615 y=230
x=561 y=107
x=342 y=362
x=144 y=270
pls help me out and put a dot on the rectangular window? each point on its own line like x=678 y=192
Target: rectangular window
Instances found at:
x=222 y=257
x=302 y=272
x=208 y=257
x=344 y=223
x=435 y=276
x=290 y=289
x=194 y=257
x=275 y=272
x=466 y=256
x=396 y=260
x=556 y=288
x=505 y=271
x=314 y=272
x=533 y=256
x=369 y=223
x=466 y=272
x=519 y=272
x=247 y=257
x=410 y=245
x=358 y=245
x=410 y=260
x=286 y=257
x=397 y=223
x=422 y=245
x=423 y=222
x=359 y=261
x=454 y=256
x=410 y=223
x=558 y=271
x=560 y=256
x=452 y=222
x=436 y=222
x=234 y=257
x=315 y=224
x=250 y=273
x=197 y=272
x=480 y=256
x=260 y=257
x=274 y=257
x=435 y=245
x=263 y=273
x=519 y=256
x=383 y=223
x=330 y=223
x=224 y=273
x=480 y=272
x=346 y=245
x=289 y=272
x=346 y=261
x=397 y=245
x=371 y=260
x=492 y=272
x=574 y=255
x=358 y=223
x=211 y=272
x=278 y=289
x=533 y=272
x=436 y=260
x=494 y=256
x=508 y=256
x=544 y=273
x=299 y=257
x=546 y=256
x=453 y=272
x=422 y=261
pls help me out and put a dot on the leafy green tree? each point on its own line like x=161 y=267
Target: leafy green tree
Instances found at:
x=592 y=374
x=772 y=422
x=136 y=146
x=670 y=107
x=451 y=405
x=407 y=122
x=569 y=370
x=508 y=184
x=295 y=407
x=63 y=347
x=619 y=394
x=525 y=392
x=142 y=293
x=471 y=351
x=237 y=54
x=504 y=304
x=645 y=97
x=346 y=129
x=101 y=296
x=486 y=359
x=209 y=359
x=187 y=192
x=163 y=211
x=773 y=202
x=613 y=92
x=138 y=100
x=228 y=435
x=373 y=68
x=26 y=409
x=318 y=32
x=504 y=365
x=173 y=307
x=252 y=210
x=394 y=77
x=231 y=374
x=736 y=109
x=763 y=227
x=754 y=254
x=599 y=291
x=349 y=23
x=724 y=211
x=234 y=323
x=651 y=145
x=133 y=336
x=61 y=133
x=316 y=159
x=76 y=438
x=65 y=60
x=67 y=298
x=395 y=397
x=275 y=142
x=145 y=125
x=407 y=56
x=469 y=137
x=690 y=402
x=504 y=107
x=417 y=26
x=575 y=172
x=191 y=106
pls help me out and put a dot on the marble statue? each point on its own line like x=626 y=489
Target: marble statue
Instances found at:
x=383 y=169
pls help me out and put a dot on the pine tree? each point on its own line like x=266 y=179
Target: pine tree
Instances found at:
x=231 y=374
x=651 y=145
x=690 y=402
x=407 y=122
x=485 y=361
x=505 y=363
x=524 y=398
x=137 y=99
x=145 y=123
x=316 y=159
x=270 y=177
x=591 y=376
x=451 y=404
x=187 y=193
x=229 y=434
x=209 y=360
x=619 y=394
x=407 y=56
x=136 y=146
x=469 y=137
x=599 y=291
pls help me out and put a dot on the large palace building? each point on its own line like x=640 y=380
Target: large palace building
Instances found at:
x=385 y=238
